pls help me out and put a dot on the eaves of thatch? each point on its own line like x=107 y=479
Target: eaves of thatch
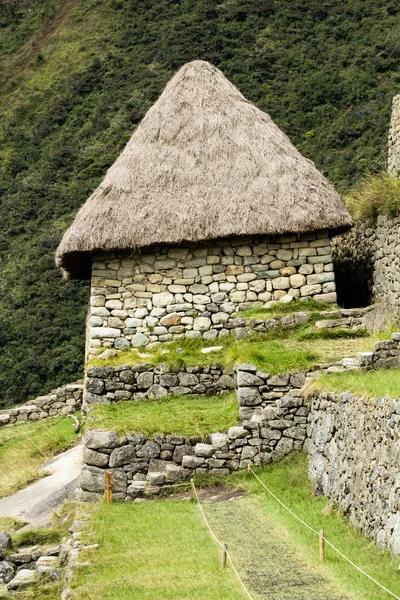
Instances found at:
x=204 y=163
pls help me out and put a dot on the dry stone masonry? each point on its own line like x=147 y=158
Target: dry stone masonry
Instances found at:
x=353 y=448
x=272 y=423
x=394 y=139
x=64 y=400
x=110 y=384
x=143 y=298
x=367 y=263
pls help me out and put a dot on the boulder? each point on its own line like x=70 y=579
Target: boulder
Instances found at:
x=23 y=578
x=7 y=571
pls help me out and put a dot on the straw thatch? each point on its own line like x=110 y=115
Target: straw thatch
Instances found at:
x=204 y=163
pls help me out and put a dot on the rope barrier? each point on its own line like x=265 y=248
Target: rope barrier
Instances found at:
x=218 y=542
x=326 y=541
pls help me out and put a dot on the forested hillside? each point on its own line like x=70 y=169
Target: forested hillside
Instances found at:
x=76 y=76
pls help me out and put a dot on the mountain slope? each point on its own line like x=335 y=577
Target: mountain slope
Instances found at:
x=78 y=75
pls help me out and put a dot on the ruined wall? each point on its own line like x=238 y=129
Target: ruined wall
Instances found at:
x=353 y=446
x=394 y=139
x=195 y=290
x=272 y=421
x=367 y=263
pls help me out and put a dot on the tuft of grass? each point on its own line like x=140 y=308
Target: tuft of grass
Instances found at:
x=281 y=308
x=25 y=447
x=10 y=524
x=372 y=383
x=168 y=549
x=374 y=194
x=331 y=334
x=33 y=537
x=180 y=415
x=289 y=481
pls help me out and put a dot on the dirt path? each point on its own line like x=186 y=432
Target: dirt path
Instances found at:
x=36 y=503
x=268 y=564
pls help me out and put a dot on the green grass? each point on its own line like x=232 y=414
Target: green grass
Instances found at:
x=364 y=383
x=281 y=308
x=289 y=481
x=374 y=194
x=23 y=448
x=180 y=415
x=154 y=550
x=278 y=351
x=37 y=536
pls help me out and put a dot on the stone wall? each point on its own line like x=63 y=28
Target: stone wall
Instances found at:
x=394 y=139
x=110 y=384
x=61 y=401
x=367 y=263
x=195 y=290
x=353 y=447
x=272 y=423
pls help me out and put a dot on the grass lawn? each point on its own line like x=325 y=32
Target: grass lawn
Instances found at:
x=282 y=308
x=288 y=480
x=163 y=550
x=364 y=383
x=276 y=352
x=153 y=551
x=180 y=415
x=23 y=448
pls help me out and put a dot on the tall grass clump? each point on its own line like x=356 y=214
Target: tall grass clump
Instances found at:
x=374 y=194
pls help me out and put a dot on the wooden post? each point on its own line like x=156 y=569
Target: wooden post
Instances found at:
x=224 y=551
x=193 y=489
x=109 y=482
x=321 y=545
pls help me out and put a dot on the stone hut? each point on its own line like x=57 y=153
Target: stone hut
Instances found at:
x=208 y=211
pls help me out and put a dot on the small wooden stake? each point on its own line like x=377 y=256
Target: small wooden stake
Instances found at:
x=109 y=482
x=321 y=545
x=193 y=489
x=224 y=553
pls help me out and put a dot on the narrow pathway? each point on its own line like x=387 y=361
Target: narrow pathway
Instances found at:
x=36 y=503
x=268 y=564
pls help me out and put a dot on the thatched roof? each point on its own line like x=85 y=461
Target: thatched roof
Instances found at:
x=203 y=163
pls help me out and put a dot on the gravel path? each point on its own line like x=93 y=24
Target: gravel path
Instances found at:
x=268 y=564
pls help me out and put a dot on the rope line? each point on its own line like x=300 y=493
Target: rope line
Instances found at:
x=219 y=543
x=327 y=541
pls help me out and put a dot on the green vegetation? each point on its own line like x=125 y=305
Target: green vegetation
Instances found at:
x=33 y=537
x=279 y=351
x=375 y=194
x=283 y=308
x=47 y=589
x=77 y=77
x=23 y=448
x=168 y=549
x=289 y=481
x=180 y=415
x=364 y=383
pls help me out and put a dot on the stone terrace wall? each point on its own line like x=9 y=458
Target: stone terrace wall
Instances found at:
x=353 y=447
x=272 y=424
x=394 y=139
x=61 y=401
x=367 y=263
x=109 y=384
x=194 y=290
